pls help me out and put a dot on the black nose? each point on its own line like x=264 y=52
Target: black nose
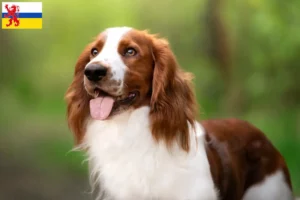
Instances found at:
x=95 y=72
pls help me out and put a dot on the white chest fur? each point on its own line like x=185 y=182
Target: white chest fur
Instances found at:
x=130 y=165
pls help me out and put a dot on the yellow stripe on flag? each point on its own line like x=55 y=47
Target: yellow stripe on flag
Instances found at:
x=25 y=23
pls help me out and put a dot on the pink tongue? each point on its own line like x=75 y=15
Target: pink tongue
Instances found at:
x=101 y=107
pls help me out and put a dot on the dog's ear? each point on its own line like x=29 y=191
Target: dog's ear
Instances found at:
x=173 y=106
x=77 y=98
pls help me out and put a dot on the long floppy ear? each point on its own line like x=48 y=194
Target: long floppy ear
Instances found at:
x=173 y=105
x=77 y=98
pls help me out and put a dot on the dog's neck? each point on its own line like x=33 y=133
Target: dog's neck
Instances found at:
x=129 y=164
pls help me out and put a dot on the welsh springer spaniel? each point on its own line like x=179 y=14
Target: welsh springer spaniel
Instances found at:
x=133 y=110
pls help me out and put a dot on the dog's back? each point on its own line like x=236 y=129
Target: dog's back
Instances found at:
x=244 y=163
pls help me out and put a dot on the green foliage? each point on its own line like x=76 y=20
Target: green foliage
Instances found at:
x=264 y=37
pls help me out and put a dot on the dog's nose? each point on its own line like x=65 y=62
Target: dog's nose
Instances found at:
x=95 y=72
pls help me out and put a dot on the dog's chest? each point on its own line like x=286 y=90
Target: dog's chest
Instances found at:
x=131 y=165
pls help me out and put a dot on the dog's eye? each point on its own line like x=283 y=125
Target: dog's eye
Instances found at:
x=94 y=51
x=130 y=52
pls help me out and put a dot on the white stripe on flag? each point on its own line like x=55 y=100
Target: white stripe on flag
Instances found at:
x=25 y=7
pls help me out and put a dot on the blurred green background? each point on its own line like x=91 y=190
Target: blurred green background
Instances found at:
x=245 y=56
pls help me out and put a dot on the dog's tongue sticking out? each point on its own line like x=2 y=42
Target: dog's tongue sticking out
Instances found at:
x=101 y=107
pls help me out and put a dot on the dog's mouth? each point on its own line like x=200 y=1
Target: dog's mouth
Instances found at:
x=103 y=104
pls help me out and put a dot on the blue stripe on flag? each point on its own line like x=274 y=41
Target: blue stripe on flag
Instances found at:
x=27 y=15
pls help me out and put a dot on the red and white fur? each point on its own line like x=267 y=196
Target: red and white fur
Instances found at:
x=137 y=123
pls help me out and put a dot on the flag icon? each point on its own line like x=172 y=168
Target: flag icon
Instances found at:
x=22 y=15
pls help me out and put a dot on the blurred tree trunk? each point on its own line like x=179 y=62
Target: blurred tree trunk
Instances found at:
x=7 y=55
x=220 y=50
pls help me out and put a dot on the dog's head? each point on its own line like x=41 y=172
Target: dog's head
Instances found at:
x=124 y=69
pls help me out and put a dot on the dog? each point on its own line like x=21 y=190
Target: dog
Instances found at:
x=133 y=110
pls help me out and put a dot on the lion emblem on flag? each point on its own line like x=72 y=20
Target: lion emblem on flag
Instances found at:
x=12 y=13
